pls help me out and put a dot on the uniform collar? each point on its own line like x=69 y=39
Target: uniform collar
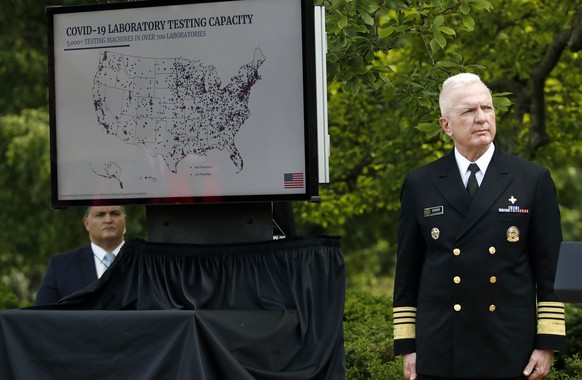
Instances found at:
x=482 y=162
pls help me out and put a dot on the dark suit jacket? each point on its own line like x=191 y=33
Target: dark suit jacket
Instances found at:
x=470 y=276
x=66 y=273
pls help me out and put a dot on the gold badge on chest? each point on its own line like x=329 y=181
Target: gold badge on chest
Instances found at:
x=512 y=234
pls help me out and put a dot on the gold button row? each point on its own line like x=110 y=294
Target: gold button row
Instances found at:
x=458 y=307
x=457 y=279
x=457 y=251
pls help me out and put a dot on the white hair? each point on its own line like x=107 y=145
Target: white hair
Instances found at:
x=455 y=81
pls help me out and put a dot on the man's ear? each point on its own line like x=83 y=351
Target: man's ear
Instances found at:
x=444 y=122
x=86 y=223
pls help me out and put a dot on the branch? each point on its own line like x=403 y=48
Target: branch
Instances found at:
x=538 y=134
x=575 y=42
x=521 y=100
x=572 y=38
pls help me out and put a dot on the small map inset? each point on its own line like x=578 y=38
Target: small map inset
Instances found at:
x=173 y=106
x=109 y=170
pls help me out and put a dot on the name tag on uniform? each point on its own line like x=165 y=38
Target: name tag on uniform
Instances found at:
x=433 y=211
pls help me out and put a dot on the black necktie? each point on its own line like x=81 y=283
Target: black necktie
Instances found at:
x=472 y=185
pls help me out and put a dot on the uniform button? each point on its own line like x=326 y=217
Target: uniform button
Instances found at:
x=492 y=250
x=492 y=308
x=456 y=251
x=457 y=307
x=457 y=279
x=493 y=279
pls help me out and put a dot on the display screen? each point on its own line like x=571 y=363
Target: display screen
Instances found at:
x=182 y=102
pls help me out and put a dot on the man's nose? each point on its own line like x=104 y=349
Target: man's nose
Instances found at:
x=480 y=116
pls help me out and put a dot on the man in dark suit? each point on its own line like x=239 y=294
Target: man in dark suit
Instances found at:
x=473 y=292
x=74 y=270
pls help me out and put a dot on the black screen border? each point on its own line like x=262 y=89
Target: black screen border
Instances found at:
x=311 y=192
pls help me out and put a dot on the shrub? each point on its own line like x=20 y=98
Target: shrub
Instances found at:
x=8 y=299
x=369 y=338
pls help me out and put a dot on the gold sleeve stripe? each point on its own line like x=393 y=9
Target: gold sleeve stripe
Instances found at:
x=550 y=304
x=401 y=321
x=556 y=316
x=404 y=322
x=403 y=309
x=550 y=310
x=405 y=331
x=555 y=308
x=552 y=327
x=405 y=315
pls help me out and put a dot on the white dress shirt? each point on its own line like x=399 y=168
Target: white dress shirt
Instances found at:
x=99 y=254
x=482 y=162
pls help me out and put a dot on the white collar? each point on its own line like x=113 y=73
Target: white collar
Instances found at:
x=482 y=162
x=100 y=252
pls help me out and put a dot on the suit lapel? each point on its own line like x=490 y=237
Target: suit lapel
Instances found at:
x=496 y=180
x=87 y=264
x=450 y=185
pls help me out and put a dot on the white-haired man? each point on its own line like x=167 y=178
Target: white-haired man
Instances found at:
x=478 y=241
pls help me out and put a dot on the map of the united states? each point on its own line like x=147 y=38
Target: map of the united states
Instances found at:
x=173 y=106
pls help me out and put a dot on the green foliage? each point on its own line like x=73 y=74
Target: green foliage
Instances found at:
x=568 y=364
x=360 y=30
x=365 y=266
x=368 y=340
x=37 y=231
x=386 y=61
x=572 y=370
x=385 y=68
x=24 y=165
x=8 y=299
x=23 y=59
x=573 y=329
x=384 y=73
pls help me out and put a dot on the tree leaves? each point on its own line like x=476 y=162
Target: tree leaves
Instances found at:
x=384 y=120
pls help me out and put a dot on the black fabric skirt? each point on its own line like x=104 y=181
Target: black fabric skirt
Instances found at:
x=299 y=282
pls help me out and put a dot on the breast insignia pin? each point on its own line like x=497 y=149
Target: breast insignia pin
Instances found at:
x=435 y=233
x=513 y=234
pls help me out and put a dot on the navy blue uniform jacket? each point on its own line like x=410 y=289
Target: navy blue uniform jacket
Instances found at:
x=473 y=293
x=66 y=273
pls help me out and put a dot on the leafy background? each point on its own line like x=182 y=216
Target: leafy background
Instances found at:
x=386 y=61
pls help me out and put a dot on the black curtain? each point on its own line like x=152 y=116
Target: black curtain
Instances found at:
x=266 y=310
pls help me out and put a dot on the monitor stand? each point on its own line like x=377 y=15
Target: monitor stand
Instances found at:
x=213 y=223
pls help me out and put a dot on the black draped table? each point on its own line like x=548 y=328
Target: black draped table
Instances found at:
x=267 y=310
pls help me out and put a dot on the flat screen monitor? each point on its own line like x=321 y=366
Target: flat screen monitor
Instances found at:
x=182 y=102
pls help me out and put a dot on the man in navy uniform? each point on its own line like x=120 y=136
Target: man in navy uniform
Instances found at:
x=74 y=270
x=478 y=241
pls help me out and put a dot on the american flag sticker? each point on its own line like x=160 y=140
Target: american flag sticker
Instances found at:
x=293 y=180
